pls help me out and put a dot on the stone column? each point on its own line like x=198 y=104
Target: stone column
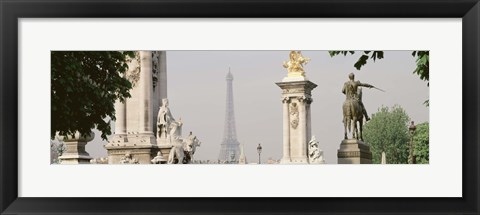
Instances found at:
x=296 y=129
x=146 y=89
x=309 y=119
x=302 y=125
x=162 y=76
x=121 y=115
x=286 y=131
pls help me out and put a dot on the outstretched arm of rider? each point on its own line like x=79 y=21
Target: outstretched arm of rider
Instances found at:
x=366 y=85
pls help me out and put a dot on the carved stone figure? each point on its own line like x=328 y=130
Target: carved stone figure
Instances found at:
x=155 y=67
x=177 y=154
x=133 y=74
x=353 y=108
x=190 y=145
x=164 y=119
x=183 y=150
x=314 y=153
x=295 y=64
x=175 y=130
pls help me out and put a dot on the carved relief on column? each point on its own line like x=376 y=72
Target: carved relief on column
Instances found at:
x=155 y=68
x=133 y=73
x=294 y=115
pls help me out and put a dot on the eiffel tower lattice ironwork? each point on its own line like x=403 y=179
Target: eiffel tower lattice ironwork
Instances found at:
x=230 y=149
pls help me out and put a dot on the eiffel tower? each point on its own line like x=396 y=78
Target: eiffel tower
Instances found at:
x=230 y=145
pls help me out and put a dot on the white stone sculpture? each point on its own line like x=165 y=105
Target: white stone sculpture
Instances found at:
x=164 y=119
x=183 y=150
x=177 y=154
x=159 y=159
x=315 y=155
x=190 y=145
x=175 y=130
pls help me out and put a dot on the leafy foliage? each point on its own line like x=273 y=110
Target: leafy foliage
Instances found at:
x=422 y=61
x=363 y=59
x=85 y=86
x=388 y=131
x=421 y=143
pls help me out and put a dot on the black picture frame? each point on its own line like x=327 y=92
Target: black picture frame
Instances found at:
x=11 y=11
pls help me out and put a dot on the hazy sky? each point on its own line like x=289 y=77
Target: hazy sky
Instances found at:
x=197 y=93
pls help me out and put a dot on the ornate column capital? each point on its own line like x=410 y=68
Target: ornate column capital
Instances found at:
x=305 y=99
x=286 y=99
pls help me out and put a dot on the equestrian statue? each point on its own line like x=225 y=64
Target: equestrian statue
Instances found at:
x=353 y=108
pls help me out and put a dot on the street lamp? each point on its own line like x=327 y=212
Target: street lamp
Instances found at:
x=411 y=157
x=259 y=150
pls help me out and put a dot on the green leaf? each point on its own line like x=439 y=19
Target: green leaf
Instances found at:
x=361 y=61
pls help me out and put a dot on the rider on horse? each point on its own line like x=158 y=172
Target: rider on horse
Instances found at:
x=350 y=89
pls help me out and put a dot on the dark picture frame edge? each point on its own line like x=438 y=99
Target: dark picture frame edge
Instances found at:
x=11 y=11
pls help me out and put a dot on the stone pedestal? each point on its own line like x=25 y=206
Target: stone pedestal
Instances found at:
x=75 y=149
x=137 y=145
x=143 y=154
x=353 y=151
x=296 y=118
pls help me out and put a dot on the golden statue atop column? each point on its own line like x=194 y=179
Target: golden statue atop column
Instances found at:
x=295 y=64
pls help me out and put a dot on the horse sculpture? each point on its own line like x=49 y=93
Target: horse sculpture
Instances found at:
x=353 y=114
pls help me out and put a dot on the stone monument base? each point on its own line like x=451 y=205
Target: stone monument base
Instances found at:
x=75 y=153
x=144 y=154
x=141 y=147
x=353 y=151
x=75 y=149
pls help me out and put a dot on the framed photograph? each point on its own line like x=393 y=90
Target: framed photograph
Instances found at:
x=297 y=91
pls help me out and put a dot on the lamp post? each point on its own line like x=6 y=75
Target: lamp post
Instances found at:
x=259 y=150
x=411 y=157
